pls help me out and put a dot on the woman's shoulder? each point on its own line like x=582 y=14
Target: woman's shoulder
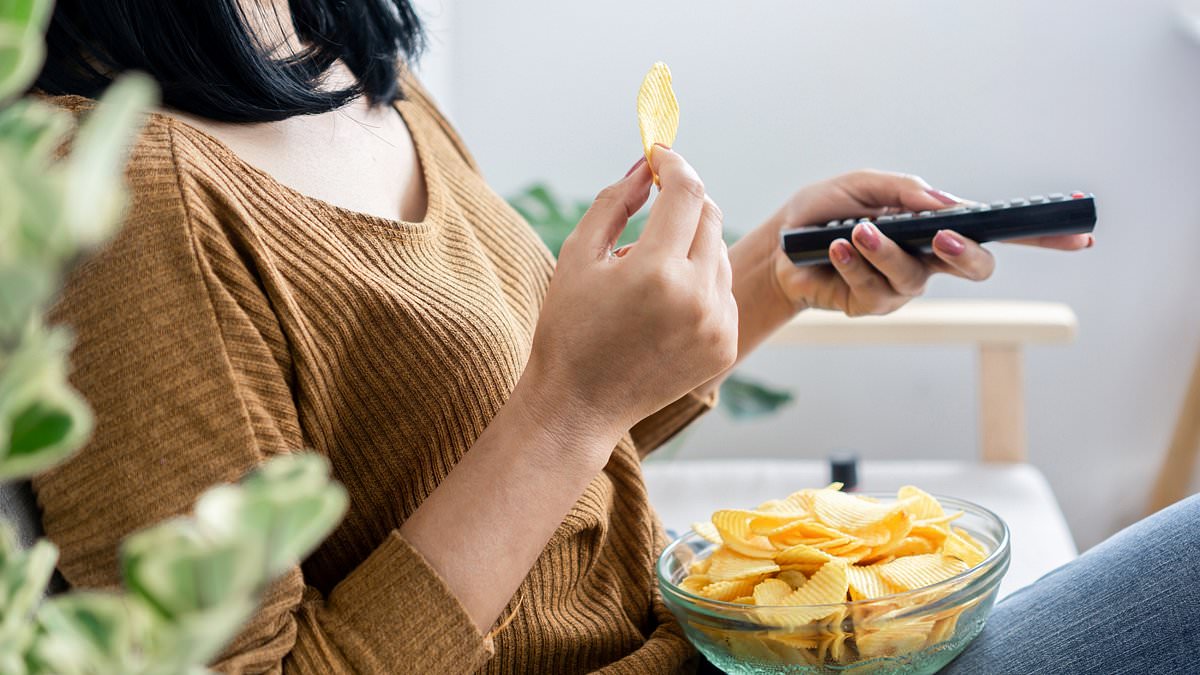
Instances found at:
x=163 y=161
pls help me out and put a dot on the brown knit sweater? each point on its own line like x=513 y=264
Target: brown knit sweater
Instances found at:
x=234 y=319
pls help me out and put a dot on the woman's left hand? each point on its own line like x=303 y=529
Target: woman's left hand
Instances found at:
x=870 y=273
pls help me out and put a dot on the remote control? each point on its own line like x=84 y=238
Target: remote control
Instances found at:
x=1014 y=219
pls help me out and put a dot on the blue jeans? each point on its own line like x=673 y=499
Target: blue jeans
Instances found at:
x=1129 y=605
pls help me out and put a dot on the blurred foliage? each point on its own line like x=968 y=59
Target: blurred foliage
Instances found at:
x=553 y=218
x=190 y=583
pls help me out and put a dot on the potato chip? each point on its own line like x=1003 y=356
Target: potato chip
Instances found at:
x=734 y=530
x=866 y=583
x=708 y=531
x=943 y=629
x=935 y=534
x=802 y=553
x=827 y=586
x=728 y=590
x=728 y=565
x=695 y=583
x=892 y=641
x=962 y=546
x=793 y=578
x=700 y=566
x=799 y=640
x=657 y=111
x=917 y=571
x=907 y=546
x=918 y=503
x=750 y=648
x=941 y=520
x=772 y=592
x=849 y=513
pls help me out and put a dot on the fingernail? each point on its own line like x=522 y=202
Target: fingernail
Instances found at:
x=841 y=251
x=621 y=251
x=949 y=243
x=944 y=197
x=868 y=236
x=635 y=166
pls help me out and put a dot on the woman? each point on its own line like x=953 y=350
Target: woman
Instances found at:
x=311 y=259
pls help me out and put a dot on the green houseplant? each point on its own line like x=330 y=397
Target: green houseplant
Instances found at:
x=191 y=582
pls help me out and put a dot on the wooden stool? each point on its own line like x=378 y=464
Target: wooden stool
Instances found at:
x=1179 y=466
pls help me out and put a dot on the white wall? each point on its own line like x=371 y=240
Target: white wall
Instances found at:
x=986 y=99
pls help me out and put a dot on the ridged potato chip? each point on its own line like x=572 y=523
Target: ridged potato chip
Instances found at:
x=849 y=513
x=728 y=590
x=892 y=641
x=802 y=553
x=734 y=530
x=730 y=565
x=772 y=592
x=918 y=503
x=793 y=578
x=961 y=545
x=709 y=532
x=866 y=583
x=828 y=586
x=657 y=110
x=917 y=571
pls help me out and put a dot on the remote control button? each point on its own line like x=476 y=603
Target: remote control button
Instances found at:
x=952 y=212
x=925 y=214
x=1057 y=197
x=904 y=216
x=981 y=207
x=883 y=220
x=1037 y=199
x=849 y=222
x=1019 y=201
x=999 y=205
x=833 y=223
x=1077 y=195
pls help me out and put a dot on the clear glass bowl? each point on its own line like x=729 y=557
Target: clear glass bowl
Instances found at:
x=918 y=631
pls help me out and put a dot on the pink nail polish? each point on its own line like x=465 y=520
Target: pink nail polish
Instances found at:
x=635 y=166
x=944 y=197
x=841 y=251
x=868 y=236
x=949 y=243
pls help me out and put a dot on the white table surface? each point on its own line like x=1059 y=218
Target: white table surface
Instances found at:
x=685 y=491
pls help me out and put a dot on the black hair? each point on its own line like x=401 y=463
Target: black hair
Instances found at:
x=209 y=61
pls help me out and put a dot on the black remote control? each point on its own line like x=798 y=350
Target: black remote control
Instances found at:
x=1015 y=219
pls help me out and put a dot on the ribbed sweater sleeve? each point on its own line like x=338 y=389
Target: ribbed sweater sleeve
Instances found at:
x=662 y=426
x=182 y=358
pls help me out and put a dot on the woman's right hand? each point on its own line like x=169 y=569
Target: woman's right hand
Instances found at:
x=620 y=337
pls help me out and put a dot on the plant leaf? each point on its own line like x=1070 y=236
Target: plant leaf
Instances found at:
x=93 y=195
x=744 y=398
x=22 y=23
x=34 y=398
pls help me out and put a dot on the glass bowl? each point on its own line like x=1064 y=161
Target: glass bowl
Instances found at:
x=917 y=631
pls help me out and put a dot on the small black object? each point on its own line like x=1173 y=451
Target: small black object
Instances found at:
x=1014 y=219
x=843 y=468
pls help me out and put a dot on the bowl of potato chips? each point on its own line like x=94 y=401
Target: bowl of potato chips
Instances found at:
x=825 y=581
